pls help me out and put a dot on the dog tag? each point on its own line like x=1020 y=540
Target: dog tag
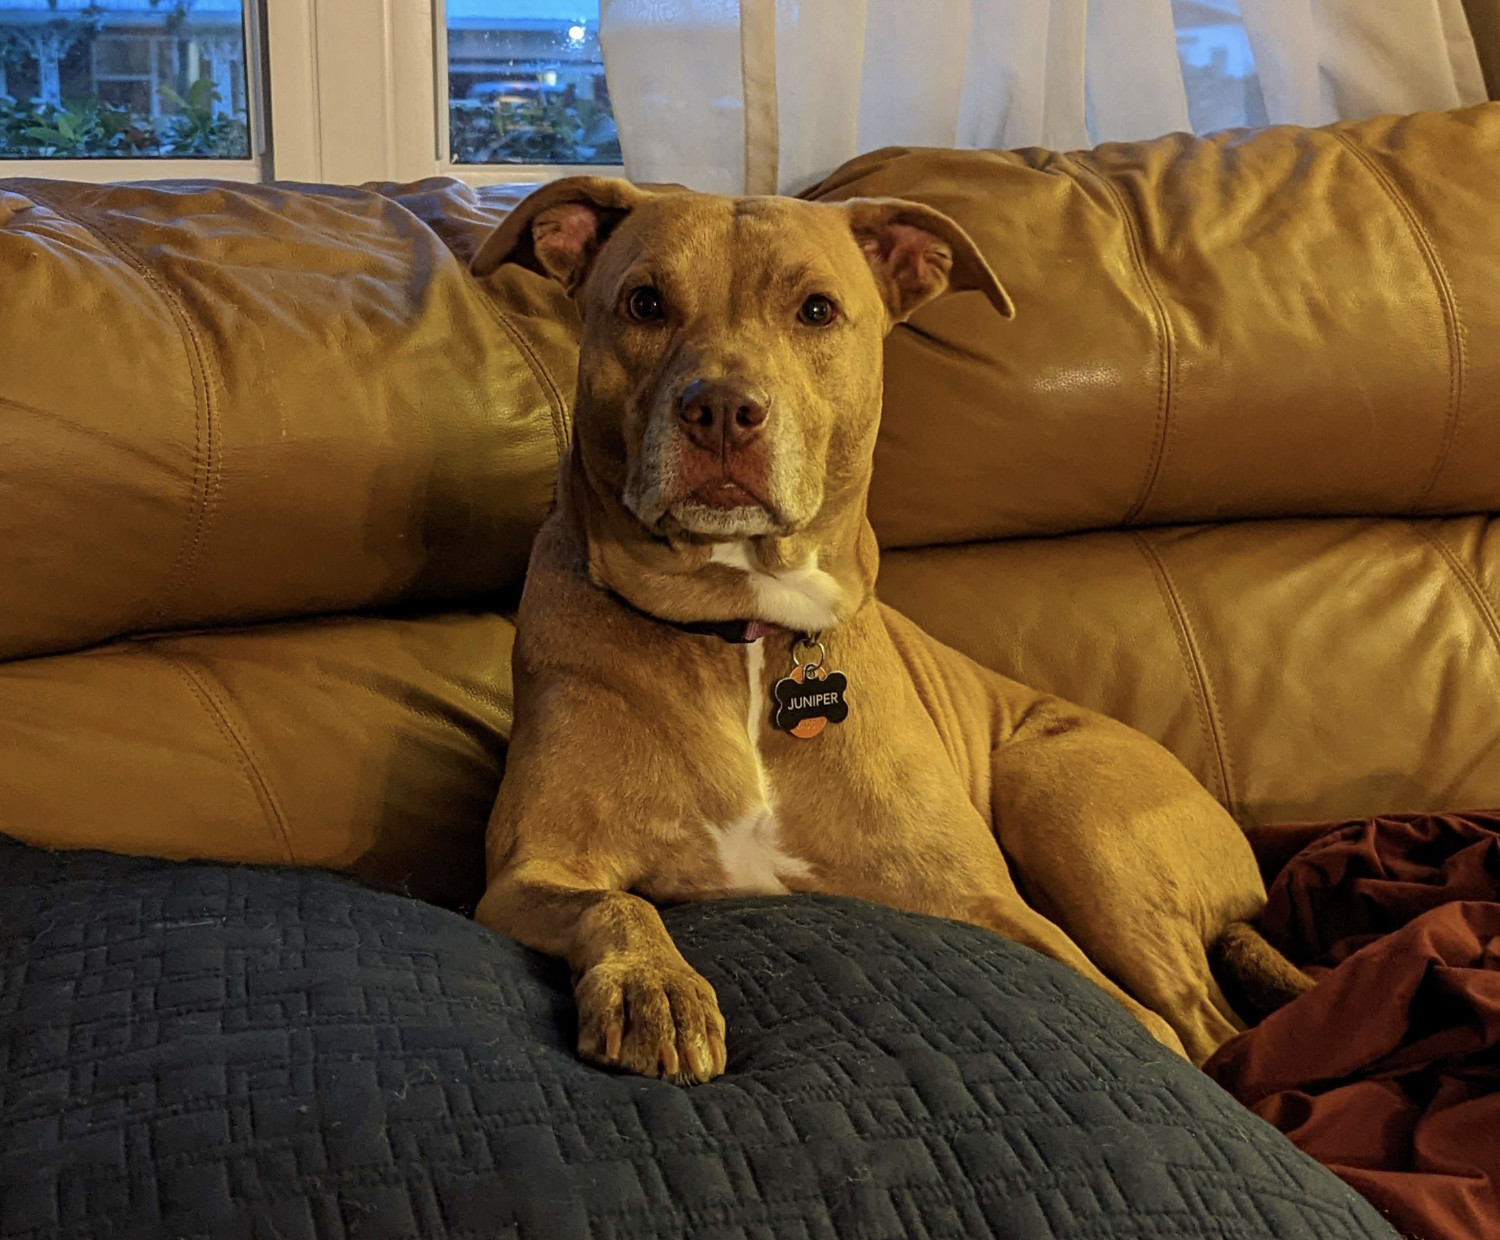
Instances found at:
x=809 y=700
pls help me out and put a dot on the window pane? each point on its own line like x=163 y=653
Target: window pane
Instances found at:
x=1218 y=67
x=526 y=83
x=122 y=79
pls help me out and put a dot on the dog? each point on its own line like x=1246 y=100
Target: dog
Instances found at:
x=711 y=702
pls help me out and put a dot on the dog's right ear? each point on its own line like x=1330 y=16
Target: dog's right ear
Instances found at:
x=559 y=229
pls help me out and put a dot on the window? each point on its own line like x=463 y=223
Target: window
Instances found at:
x=124 y=80
x=350 y=91
x=484 y=90
x=305 y=90
x=1218 y=67
x=526 y=83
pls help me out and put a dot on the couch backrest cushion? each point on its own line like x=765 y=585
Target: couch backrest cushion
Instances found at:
x=1282 y=323
x=221 y=403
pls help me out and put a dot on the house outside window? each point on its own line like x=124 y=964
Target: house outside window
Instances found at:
x=123 y=78
x=526 y=83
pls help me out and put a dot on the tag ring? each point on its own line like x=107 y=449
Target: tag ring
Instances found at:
x=807 y=642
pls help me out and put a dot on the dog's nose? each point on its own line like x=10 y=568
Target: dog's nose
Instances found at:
x=719 y=414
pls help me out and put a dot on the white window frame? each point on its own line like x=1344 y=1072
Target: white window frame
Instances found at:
x=358 y=91
x=100 y=171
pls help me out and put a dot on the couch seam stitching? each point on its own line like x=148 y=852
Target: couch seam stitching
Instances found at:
x=1208 y=715
x=205 y=458
x=1447 y=299
x=1166 y=342
x=220 y=716
x=1477 y=594
x=543 y=376
x=557 y=406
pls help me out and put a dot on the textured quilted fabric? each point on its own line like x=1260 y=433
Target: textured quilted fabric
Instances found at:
x=206 y=1051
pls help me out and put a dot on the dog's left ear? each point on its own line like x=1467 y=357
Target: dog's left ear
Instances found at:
x=917 y=253
x=558 y=230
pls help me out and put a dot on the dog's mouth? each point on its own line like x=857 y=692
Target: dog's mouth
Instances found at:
x=722 y=509
x=718 y=503
x=679 y=489
x=719 y=513
x=725 y=494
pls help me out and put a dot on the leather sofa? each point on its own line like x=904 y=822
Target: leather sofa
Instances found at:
x=270 y=460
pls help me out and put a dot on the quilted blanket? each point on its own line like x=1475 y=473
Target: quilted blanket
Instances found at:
x=219 y=1052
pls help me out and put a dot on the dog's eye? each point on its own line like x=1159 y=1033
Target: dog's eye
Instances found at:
x=817 y=311
x=644 y=304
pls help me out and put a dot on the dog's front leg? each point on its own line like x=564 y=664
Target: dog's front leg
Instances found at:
x=641 y=1006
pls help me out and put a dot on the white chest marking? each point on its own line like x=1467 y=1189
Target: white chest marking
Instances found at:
x=749 y=848
x=800 y=598
x=754 y=864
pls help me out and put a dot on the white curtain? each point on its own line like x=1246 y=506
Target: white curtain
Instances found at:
x=765 y=95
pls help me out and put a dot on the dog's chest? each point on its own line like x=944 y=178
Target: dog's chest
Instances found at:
x=754 y=861
x=750 y=847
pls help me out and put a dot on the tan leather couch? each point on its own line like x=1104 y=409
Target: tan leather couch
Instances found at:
x=270 y=460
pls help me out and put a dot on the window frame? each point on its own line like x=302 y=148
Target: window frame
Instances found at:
x=252 y=170
x=107 y=171
x=374 y=105
x=339 y=92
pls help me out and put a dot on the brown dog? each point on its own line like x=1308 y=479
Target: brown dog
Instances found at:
x=678 y=733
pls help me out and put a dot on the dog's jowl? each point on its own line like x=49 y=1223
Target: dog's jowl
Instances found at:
x=709 y=540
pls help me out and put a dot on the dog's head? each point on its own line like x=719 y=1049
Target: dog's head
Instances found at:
x=730 y=366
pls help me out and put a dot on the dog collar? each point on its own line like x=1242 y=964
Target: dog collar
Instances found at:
x=736 y=632
x=807 y=699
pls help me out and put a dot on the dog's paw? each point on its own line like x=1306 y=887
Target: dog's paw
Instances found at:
x=655 y=1020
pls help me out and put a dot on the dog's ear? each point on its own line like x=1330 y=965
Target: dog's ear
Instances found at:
x=559 y=229
x=918 y=253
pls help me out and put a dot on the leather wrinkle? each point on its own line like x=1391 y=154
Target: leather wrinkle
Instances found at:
x=394 y=688
x=1466 y=579
x=205 y=457
x=1208 y=714
x=1447 y=299
x=557 y=406
x=944 y=347
x=80 y=426
x=1161 y=326
x=200 y=684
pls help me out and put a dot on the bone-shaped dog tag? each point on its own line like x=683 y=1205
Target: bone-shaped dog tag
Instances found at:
x=809 y=700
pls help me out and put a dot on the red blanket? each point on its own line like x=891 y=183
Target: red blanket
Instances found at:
x=1389 y=1071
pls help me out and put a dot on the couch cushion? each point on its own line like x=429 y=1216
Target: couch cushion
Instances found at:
x=229 y=402
x=1293 y=322
x=1302 y=670
x=372 y=745
x=205 y=1051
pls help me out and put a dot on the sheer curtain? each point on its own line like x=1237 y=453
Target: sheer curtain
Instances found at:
x=764 y=95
